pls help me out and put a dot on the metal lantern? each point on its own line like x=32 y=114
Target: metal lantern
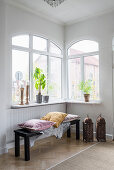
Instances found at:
x=88 y=130
x=100 y=129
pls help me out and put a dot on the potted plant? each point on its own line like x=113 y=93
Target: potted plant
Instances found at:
x=45 y=98
x=40 y=83
x=86 y=88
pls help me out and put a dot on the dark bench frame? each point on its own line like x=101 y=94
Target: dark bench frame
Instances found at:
x=77 y=123
x=27 y=134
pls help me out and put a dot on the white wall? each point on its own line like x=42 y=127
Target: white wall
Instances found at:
x=100 y=29
x=15 y=21
x=2 y=79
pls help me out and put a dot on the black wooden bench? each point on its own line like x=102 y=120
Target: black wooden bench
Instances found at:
x=77 y=123
x=27 y=134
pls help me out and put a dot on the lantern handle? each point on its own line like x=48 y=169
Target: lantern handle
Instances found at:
x=99 y=116
x=87 y=116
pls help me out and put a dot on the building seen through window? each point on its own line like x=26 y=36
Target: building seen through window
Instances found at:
x=83 y=64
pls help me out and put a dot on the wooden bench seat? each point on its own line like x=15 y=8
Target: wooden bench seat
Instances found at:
x=27 y=134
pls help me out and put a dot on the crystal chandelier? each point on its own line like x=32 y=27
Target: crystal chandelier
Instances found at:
x=54 y=3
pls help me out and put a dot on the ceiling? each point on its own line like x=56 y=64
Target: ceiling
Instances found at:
x=69 y=11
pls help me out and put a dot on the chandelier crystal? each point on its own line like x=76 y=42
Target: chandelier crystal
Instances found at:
x=54 y=3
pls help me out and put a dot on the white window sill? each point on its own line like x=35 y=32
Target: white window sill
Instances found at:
x=37 y=104
x=54 y=102
x=83 y=102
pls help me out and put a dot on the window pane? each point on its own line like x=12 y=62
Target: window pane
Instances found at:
x=54 y=87
x=54 y=49
x=20 y=73
x=91 y=70
x=41 y=62
x=84 y=46
x=74 y=78
x=39 y=43
x=21 y=40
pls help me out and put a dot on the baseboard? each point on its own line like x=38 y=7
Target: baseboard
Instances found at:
x=12 y=144
x=108 y=136
x=3 y=150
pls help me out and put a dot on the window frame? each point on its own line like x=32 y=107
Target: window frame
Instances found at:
x=31 y=51
x=81 y=56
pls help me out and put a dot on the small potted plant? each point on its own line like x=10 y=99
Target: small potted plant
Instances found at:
x=86 y=88
x=40 y=83
x=45 y=98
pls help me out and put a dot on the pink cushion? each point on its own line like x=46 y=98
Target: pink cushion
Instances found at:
x=71 y=117
x=36 y=124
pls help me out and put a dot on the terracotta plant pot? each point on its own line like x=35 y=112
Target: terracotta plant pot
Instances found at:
x=86 y=96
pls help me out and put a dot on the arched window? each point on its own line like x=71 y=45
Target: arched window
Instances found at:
x=29 y=52
x=83 y=64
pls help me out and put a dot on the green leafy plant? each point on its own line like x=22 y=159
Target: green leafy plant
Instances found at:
x=40 y=80
x=85 y=87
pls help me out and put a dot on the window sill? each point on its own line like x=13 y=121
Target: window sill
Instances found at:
x=83 y=102
x=37 y=104
x=54 y=102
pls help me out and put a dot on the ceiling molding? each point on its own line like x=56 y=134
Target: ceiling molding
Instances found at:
x=89 y=17
x=19 y=5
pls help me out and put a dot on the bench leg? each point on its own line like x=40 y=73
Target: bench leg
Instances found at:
x=27 y=148
x=77 y=130
x=68 y=133
x=17 y=145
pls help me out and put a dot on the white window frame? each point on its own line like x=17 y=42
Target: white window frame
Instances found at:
x=47 y=53
x=81 y=56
